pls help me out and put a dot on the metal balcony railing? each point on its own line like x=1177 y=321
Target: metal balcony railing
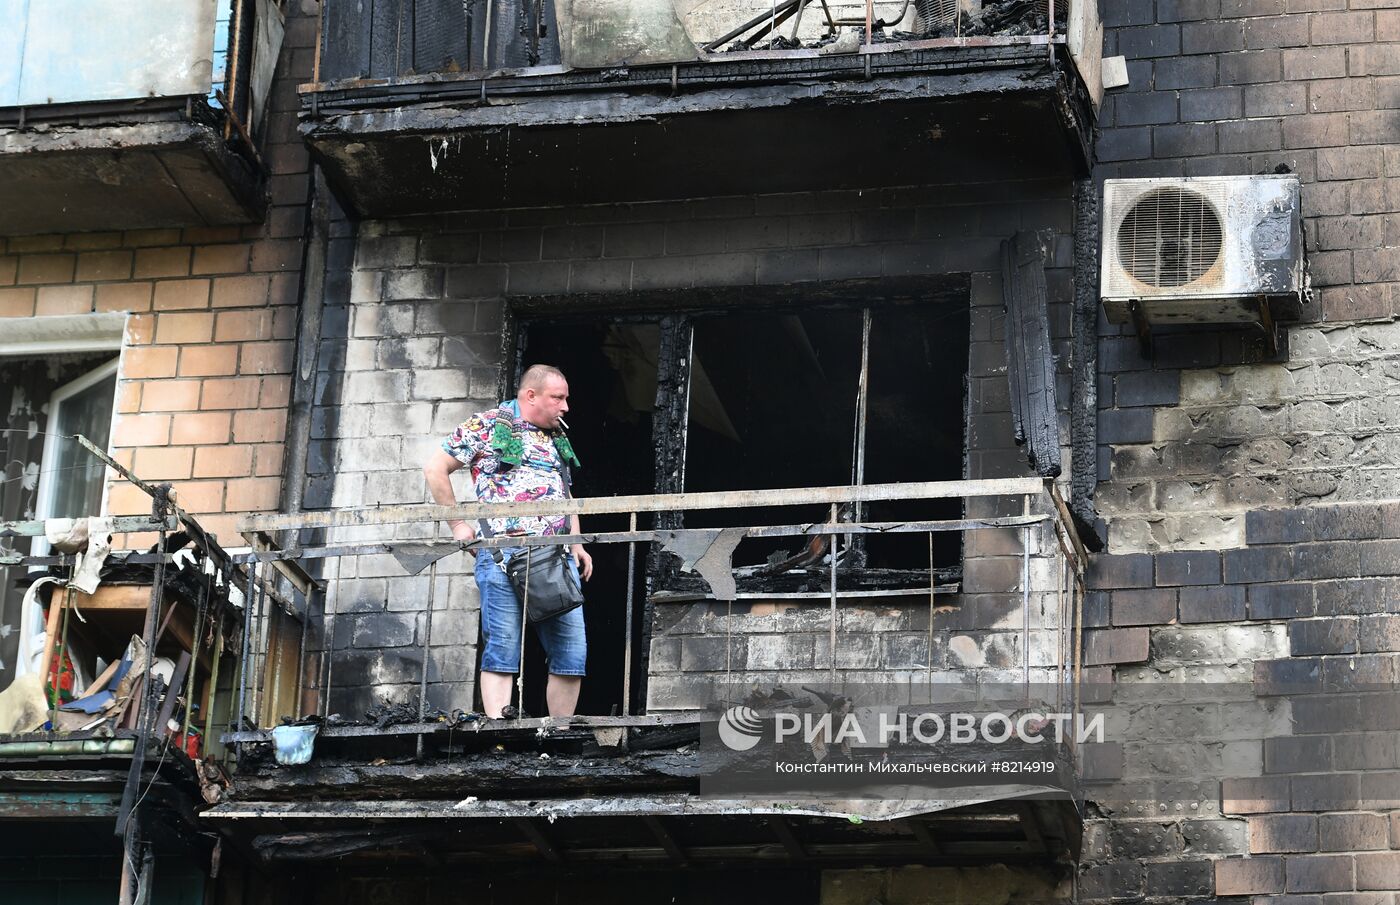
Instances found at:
x=397 y=39
x=1043 y=607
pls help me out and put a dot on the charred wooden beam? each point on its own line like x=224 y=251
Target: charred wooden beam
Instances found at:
x=668 y=841
x=414 y=556
x=1030 y=357
x=924 y=835
x=316 y=846
x=982 y=58
x=490 y=774
x=488 y=846
x=660 y=503
x=1030 y=824
x=121 y=524
x=1084 y=365
x=546 y=846
x=542 y=727
x=783 y=830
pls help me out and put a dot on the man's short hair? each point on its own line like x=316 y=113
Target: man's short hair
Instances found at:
x=536 y=376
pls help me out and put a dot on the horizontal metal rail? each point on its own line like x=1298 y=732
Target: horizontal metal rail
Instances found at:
x=534 y=725
x=124 y=524
x=659 y=502
x=816 y=529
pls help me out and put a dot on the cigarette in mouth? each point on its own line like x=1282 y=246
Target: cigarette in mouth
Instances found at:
x=564 y=423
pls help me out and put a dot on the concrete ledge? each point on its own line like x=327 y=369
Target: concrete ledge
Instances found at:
x=132 y=175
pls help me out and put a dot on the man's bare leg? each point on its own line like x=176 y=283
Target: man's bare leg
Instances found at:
x=495 y=692
x=561 y=693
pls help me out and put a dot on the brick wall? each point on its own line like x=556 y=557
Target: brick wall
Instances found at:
x=1227 y=476
x=413 y=343
x=1280 y=662
x=1207 y=430
x=205 y=367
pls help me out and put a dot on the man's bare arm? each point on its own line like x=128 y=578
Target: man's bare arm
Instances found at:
x=438 y=475
x=582 y=559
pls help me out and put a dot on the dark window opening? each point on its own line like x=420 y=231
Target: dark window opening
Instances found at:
x=915 y=425
x=776 y=402
x=772 y=405
x=767 y=399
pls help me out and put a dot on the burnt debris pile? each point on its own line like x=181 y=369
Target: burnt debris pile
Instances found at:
x=930 y=19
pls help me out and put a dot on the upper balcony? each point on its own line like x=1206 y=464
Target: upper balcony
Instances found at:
x=441 y=105
x=147 y=116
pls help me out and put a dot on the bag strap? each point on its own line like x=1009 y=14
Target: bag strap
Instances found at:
x=483 y=527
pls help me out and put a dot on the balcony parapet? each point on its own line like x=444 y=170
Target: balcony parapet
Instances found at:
x=401 y=135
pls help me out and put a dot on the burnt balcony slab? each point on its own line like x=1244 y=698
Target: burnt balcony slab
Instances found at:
x=120 y=167
x=746 y=123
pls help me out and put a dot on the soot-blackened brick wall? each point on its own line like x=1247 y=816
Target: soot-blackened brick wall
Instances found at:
x=1276 y=665
x=1241 y=578
x=1205 y=429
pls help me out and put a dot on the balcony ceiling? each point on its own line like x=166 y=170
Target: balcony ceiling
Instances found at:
x=164 y=172
x=797 y=123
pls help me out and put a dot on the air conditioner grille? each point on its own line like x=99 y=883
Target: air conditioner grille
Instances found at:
x=1170 y=237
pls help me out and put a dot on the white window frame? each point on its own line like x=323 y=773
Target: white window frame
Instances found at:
x=33 y=337
x=43 y=504
x=38 y=336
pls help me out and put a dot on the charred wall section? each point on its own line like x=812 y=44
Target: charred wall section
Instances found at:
x=413 y=343
x=1206 y=429
x=1247 y=552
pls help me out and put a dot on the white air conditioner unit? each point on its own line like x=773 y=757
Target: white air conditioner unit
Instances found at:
x=1207 y=250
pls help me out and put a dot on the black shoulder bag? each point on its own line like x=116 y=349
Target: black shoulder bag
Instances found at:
x=541 y=575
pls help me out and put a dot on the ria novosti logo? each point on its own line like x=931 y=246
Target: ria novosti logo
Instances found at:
x=740 y=728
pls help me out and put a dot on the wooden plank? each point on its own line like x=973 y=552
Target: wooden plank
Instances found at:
x=1086 y=46
x=1030 y=357
x=531 y=725
x=136 y=597
x=346 y=39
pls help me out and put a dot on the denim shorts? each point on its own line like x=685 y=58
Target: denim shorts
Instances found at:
x=565 y=648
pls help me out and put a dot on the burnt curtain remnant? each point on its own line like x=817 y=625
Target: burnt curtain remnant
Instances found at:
x=1030 y=364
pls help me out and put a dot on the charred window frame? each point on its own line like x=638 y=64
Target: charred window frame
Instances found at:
x=841 y=395
x=869 y=390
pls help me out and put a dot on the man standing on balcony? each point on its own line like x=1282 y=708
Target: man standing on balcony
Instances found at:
x=518 y=452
